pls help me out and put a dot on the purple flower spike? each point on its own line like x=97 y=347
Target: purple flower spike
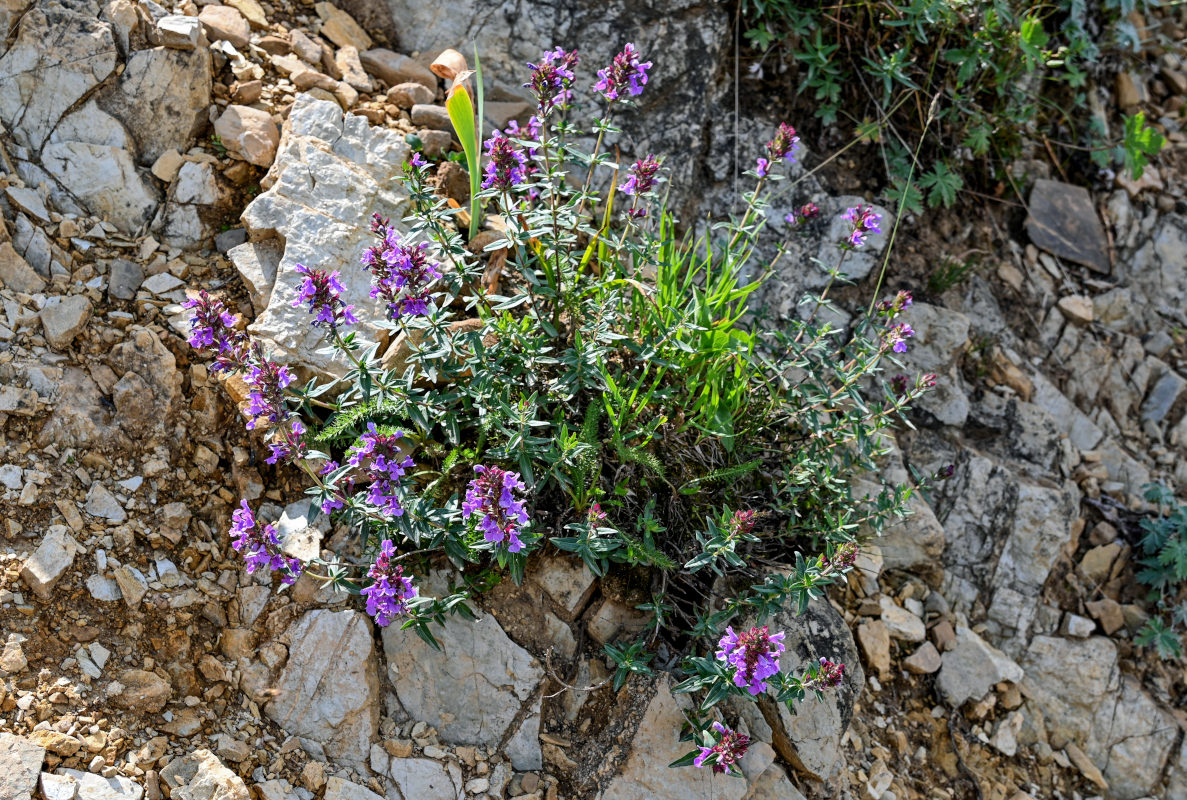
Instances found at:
x=754 y=655
x=862 y=220
x=492 y=495
x=388 y=596
x=400 y=273
x=898 y=336
x=625 y=75
x=213 y=327
x=289 y=446
x=551 y=79
x=762 y=167
x=785 y=144
x=323 y=292
x=642 y=179
x=728 y=750
x=379 y=456
x=831 y=673
x=260 y=545
x=267 y=380
x=505 y=165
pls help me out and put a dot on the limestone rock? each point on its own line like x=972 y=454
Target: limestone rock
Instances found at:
x=431 y=116
x=410 y=93
x=28 y=201
x=875 y=644
x=811 y=739
x=124 y=278
x=1070 y=679
x=248 y=133
x=179 y=32
x=421 y=778
x=924 y=661
x=162 y=98
x=58 y=56
x=143 y=691
x=972 y=667
x=332 y=173
x=53 y=557
x=201 y=776
x=89 y=786
x=257 y=263
x=105 y=179
x=20 y=764
x=329 y=690
x=901 y=623
x=472 y=689
x=340 y=28
x=655 y=745
x=63 y=318
x=940 y=339
x=226 y=23
x=15 y=272
x=395 y=69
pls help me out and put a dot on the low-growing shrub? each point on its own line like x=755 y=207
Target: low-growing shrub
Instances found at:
x=1164 y=569
x=579 y=377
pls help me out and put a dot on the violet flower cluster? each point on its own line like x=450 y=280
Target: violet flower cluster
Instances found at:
x=491 y=495
x=401 y=274
x=288 y=444
x=844 y=557
x=898 y=335
x=802 y=214
x=643 y=176
x=380 y=458
x=212 y=326
x=726 y=752
x=862 y=221
x=551 y=79
x=754 y=655
x=742 y=523
x=831 y=674
x=260 y=545
x=323 y=292
x=506 y=164
x=267 y=380
x=388 y=596
x=626 y=75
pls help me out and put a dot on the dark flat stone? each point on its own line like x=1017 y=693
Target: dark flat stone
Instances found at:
x=1063 y=222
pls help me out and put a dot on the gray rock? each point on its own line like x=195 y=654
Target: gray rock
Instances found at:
x=940 y=339
x=257 y=263
x=104 y=589
x=52 y=558
x=432 y=117
x=149 y=386
x=102 y=503
x=656 y=744
x=58 y=56
x=162 y=97
x=180 y=32
x=472 y=689
x=201 y=776
x=105 y=179
x=773 y=784
x=133 y=585
x=90 y=786
x=228 y=239
x=1159 y=268
x=20 y=764
x=1164 y=394
x=197 y=183
x=811 y=738
x=901 y=623
x=28 y=201
x=300 y=538
x=1070 y=680
x=1132 y=738
x=1063 y=221
x=329 y=690
x=63 y=318
x=972 y=667
x=425 y=779
x=394 y=69
x=1176 y=783
x=125 y=279
x=324 y=219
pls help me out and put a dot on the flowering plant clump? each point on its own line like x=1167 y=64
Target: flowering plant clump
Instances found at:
x=581 y=377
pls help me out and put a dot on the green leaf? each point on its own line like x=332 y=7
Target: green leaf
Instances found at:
x=461 y=114
x=943 y=183
x=1141 y=141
